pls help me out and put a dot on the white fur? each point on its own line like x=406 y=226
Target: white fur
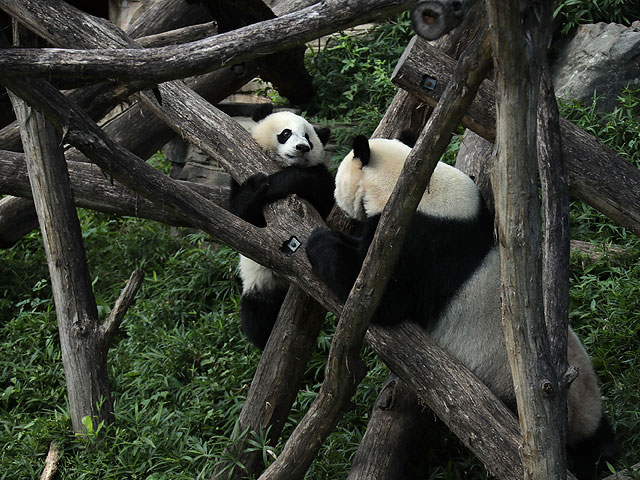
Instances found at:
x=364 y=191
x=266 y=134
x=256 y=277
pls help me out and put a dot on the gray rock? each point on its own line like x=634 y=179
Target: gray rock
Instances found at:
x=601 y=58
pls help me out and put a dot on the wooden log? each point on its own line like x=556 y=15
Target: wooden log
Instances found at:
x=179 y=35
x=207 y=55
x=165 y=15
x=276 y=382
x=395 y=423
x=515 y=181
x=93 y=189
x=405 y=111
x=470 y=410
x=82 y=346
x=17 y=218
x=597 y=175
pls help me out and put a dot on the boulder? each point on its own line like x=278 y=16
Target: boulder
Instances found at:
x=601 y=58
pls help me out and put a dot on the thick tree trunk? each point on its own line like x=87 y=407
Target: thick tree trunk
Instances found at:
x=397 y=420
x=515 y=183
x=95 y=190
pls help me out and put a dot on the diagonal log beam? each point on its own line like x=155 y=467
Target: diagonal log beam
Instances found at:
x=202 y=56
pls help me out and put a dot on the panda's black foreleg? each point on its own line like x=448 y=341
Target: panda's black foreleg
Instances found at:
x=336 y=259
x=314 y=184
x=248 y=199
x=258 y=314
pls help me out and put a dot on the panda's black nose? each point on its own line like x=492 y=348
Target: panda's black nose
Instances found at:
x=301 y=147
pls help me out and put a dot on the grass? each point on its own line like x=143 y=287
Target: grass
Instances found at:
x=180 y=368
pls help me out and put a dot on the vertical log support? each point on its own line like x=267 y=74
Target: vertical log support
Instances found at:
x=82 y=345
x=518 y=222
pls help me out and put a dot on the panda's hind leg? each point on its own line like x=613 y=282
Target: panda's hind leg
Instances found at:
x=590 y=456
x=258 y=314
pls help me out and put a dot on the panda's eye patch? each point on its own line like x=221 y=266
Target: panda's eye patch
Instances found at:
x=306 y=135
x=284 y=135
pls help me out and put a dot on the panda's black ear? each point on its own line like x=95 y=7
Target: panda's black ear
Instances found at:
x=262 y=111
x=408 y=137
x=361 y=149
x=323 y=134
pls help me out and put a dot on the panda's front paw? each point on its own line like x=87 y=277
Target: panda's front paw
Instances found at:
x=256 y=186
x=248 y=200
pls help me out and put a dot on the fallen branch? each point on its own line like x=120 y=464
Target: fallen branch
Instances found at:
x=51 y=462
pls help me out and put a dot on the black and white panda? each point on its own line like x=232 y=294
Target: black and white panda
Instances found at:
x=448 y=280
x=298 y=148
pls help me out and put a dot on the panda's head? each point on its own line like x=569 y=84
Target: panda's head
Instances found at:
x=290 y=139
x=367 y=175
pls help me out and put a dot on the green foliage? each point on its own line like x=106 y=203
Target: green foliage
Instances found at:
x=351 y=75
x=577 y=12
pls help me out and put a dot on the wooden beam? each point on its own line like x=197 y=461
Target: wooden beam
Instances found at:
x=597 y=175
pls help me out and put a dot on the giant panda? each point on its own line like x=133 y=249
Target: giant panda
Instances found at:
x=298 y=148
x=448 y=280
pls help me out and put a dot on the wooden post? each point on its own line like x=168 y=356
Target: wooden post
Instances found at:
x=83 y=347
x=519 y=233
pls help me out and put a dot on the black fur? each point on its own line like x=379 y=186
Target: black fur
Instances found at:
x=590 y=456
x=437 y=257
x=314 y=184
x=259 y=312
x=408 y=137
x=262 y=111
x=361 y=149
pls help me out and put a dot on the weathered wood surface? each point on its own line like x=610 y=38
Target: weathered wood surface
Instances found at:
x=92 y=188
x=173 y=62
x=468 y=407
x=597 y=175
x=17 y=218
x=515 y=181
x=276 y=382
x=165 y=15
x=383 y=438
x=82 y=346
x=396 y=423
x=179 y=35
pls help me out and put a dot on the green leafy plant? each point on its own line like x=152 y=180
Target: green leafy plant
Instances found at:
x=577 y=12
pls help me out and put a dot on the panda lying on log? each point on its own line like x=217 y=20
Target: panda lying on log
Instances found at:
x=448 y=280
x=299 y=149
